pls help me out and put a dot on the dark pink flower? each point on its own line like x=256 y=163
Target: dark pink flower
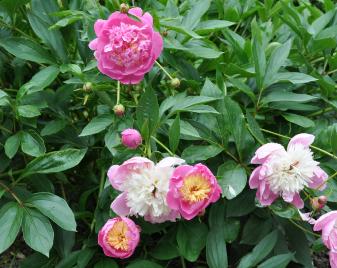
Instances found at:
x=131 y=138
x=125 y=48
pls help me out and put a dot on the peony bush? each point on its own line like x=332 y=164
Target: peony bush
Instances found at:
x=166 y=133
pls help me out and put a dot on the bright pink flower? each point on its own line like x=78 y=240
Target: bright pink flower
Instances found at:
x=286 y=172
x=131 y=138
x=327 y=223
x=125 y=48
x=119 y=237
x=144 y=187
x=192 y=189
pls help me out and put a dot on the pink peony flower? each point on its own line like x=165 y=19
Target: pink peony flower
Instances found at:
x=192 y=189
x=286 y=172
x=144 y=187
x=131 y=138
x=333 y=259
x=327 y=223
x=126 y=49
x=119 y=237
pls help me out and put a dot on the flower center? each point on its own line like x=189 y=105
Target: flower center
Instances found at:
x=292 y=171
x=117 y=236
x=195 y=188
x=128 y=46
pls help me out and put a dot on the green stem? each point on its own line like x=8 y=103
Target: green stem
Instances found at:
x=312 y=146
x=303 y=229
x=118 y=92
x=101 y=186
x=5 y=129
x=328 y=109
x=183 y=264
x=4 y=186
x=7 y=174
x=164 y=70
x=162 y=145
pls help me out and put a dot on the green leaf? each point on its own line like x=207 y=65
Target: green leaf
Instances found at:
x=190 y=101
x=255 y=230
x=259 y=62
x=10 y=222
x=12 y=145
x=52 y=38
x=174 y=134
x=278 y=261
x=210 y=26
x=193 y=17
x=26 y=49
x=196 y=153
x=293 y=77
x=231 y=229
x=28 y=111
x=148 y=110
x=254 y=128
x=277 y=59
x=39 y=81
x=190 y=245
x=200 y=109
x=55 y=208
x=144 y=264
x=166 y=248
x=179 y=28
x=216 y=252
x=54 y=162
x=233 y=181
x=53 y=127
x=204 y=52
x=282 y=96
x=299 y=120
x=112 y=139
x=106 y=264
x=37 y=231
x=97 y=124
x=242 y=205
x=260 y=251
x=32 y=144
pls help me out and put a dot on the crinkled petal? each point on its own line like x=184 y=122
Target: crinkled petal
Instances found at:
x=119 y=205
x=333 y=259
x=254 y=179
x=303 y=138
x=297 y=201
x=262 y=153
x=170 y=162
x=319 y=179
x=325 y=219
x=99 y=26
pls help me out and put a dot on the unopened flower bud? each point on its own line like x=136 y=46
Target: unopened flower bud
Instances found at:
x=124 y=8
x=119 y=110
x=131 y=138
x=315 y=204
x=165 y=33
x=87 y=86
x=175 y=82
x=322 y=200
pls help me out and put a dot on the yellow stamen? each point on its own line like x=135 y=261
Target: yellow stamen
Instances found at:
x=117 y=236
x=195 y=188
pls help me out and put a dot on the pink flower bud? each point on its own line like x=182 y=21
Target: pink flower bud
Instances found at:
x=119 y=237
x=119 y=110
x=322 y=200
x=131 y=138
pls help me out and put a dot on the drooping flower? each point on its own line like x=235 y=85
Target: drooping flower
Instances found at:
x=327 y=223
x=125 y=48
x=144 y=187
x=286 y=172
x=192 y=189
x=131 y=138
x=119 y=237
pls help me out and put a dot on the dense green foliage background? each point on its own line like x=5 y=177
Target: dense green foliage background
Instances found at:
x=251 y=72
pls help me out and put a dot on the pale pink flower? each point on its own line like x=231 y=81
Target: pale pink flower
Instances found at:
x=333 y=259
x=119 y=237
x=286 y=172
x=327 y=223
x=144 y=187
x=131 y=138
x=192 y=189
x=125 y=48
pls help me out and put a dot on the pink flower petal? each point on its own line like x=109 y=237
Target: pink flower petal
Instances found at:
x=304 y=139
x=318 y=181
x=297 y=201
x=170 y=162
x=324 y=220
x=119 y=205
x=262 y=154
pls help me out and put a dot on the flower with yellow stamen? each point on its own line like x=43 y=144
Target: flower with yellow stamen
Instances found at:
x=119 y=237
x=192 y=189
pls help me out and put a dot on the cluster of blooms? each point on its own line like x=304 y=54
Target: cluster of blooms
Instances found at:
x=160 y=192
x=126 y=49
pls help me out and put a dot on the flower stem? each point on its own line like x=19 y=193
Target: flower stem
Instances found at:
x=183 y=264
x=4 y=186
x=312 y=146
x=164 y=70
x=118 y=92
x=162 y=145
x=304 y=229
